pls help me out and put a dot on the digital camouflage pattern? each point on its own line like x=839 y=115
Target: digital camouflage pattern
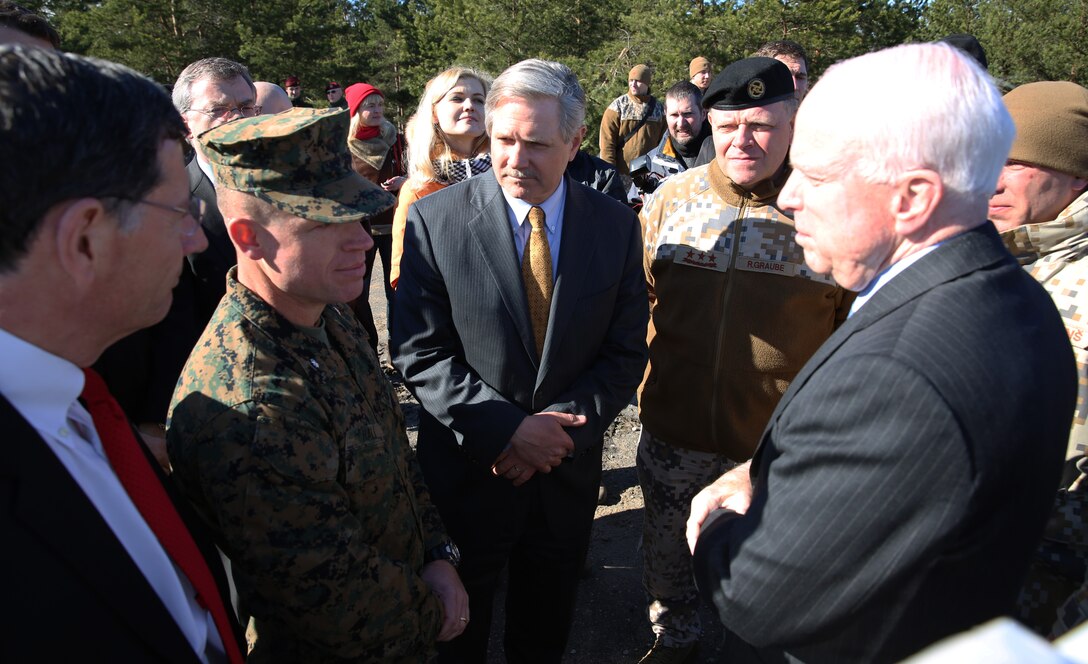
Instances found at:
x=670 y=477
x=734 y=310
x=298 y=161
x=1055 y=597
x=291 y=445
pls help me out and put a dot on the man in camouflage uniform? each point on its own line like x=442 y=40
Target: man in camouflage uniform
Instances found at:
x=1041 y=205
x=283 y=432
x=735 y=313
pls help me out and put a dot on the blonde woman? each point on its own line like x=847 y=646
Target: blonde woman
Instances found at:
x=447 y=143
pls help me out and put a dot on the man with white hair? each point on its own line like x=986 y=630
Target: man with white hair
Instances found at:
x=902 y=483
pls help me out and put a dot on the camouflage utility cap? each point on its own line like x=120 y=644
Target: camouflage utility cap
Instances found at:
x=298 y=161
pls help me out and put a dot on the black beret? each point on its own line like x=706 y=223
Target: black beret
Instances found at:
x=748 y=83
x=969 y=45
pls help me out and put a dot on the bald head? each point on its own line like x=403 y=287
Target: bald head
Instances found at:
x=271 y=98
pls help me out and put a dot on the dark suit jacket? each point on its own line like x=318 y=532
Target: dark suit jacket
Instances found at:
x=904 y=479
x=71 y=591
x=463 y=341
x=209 y=266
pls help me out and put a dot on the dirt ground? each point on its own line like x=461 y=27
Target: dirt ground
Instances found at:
x=610 y=624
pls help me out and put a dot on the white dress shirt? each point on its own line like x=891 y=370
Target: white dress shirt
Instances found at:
x=44 y=389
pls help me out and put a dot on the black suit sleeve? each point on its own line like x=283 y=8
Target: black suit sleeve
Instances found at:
x=859 y=485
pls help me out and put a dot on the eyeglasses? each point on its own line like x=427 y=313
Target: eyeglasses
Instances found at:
x=329 y=92
x=191 y=215
x=226 y=112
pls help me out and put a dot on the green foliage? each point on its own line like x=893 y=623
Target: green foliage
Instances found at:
x=1025 y=40
x=398 y=44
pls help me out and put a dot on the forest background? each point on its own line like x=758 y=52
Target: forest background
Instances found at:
x=397 y=45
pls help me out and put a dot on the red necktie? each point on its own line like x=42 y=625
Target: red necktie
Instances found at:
x=147 y=493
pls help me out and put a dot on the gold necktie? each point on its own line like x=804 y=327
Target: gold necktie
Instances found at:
x=536 y=273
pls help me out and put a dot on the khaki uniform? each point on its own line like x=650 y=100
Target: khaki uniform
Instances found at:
x=290 y=443
x=735 y=313
x=1055 y=597
x=623 y=115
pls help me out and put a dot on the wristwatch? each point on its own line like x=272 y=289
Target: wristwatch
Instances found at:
x=447 y=551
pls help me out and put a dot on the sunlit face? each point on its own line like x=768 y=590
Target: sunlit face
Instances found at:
x=637 y=87
x=308 y=264
x=1029 y=194
x=527 y=149
x=751 y=144
x=210 y=95
x=460 y=112
x=372 y=110
x=701 y=80
x=844 y=224
x=684 y=118
x=799 y=72
x=294 y=92
x=334 y=95
x=150 y=252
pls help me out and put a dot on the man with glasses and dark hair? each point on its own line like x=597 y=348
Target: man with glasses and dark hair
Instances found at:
x=208 y=93
x=96 y=222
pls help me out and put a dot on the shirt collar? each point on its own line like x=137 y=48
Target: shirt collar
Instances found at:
x=39 y=384
x=206 y=168
x=887 y=275
x=552 y=206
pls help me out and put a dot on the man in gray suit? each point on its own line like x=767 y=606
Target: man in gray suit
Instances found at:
x=902 y=483
x=520 y=326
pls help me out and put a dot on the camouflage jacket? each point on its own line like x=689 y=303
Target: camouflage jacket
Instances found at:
x=292 y=447
x=1054 y=598
x=734 y=311
x=621 y=117
x=1056 y=254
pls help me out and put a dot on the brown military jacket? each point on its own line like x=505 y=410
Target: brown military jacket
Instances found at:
x=734 y=311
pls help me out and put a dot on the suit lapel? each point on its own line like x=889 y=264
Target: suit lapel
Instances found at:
x=50 y=504
x=576 y=247
x=490 y=227
x=970 y=251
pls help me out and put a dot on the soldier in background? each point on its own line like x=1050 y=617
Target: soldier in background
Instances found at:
x=1041 y=205
x=700 y=73
x=633 y=123
x=283 y=431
